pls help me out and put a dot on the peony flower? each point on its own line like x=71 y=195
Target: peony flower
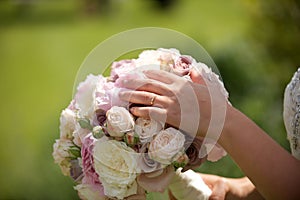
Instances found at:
x=116 y=165
x=67 y=123
x=167 y=145
x=86 y=95
x=146 y=164
x=90 y=175
x=63 y=152
x=146 y=129
x=120 y=68
x=119 y=121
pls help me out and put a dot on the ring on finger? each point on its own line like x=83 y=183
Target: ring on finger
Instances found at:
x=152 y=100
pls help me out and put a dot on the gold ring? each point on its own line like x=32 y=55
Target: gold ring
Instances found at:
x=152 y=100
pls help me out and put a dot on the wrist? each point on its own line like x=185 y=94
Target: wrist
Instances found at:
x=232 y=114
x=239 y=187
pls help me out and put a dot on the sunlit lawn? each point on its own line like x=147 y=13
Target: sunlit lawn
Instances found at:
x=40 y=54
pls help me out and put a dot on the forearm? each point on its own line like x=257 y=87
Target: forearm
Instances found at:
x=275 y=173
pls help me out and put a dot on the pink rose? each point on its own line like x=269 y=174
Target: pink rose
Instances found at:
x=146 y=164
x=193 y=146
x=182 y=65
x=119 y=121
x=167 y=146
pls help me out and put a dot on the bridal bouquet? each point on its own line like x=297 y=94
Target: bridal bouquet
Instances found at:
x=104 y=148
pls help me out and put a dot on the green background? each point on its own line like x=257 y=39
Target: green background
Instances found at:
x=43 y=43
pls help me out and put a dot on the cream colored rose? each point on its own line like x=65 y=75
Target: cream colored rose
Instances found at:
x=119 y=121
x=67 y=123
x=167 y=146
x=116 y=165
x=62 y=154
x=146 y=129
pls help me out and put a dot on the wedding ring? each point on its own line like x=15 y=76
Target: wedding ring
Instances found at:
x=152 y=100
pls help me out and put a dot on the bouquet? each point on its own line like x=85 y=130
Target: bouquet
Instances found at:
x=104 y=148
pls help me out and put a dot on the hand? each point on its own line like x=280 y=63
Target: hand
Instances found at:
x=184 y=104
x=231 y=188
x=218 y=185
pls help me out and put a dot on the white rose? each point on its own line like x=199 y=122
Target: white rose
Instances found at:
x=167 y=146
x=119 y=121
x=86 y=95
x=116 y=165
x=67 y=123
x=146 y=129
x=62 y=154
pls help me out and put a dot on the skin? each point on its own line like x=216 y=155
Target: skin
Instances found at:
x=274 y=172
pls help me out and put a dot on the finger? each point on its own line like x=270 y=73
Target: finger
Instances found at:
x=155 y=113
x=218 y=193
x=161 y=76
x=196 y=77
x=148 y=85
x=141 y=97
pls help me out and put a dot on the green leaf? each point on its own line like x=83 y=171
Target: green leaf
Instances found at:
x=85 y=123
x=75 y=152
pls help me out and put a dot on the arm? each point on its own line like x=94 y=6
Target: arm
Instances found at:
x=274 y=172
x=231 y=188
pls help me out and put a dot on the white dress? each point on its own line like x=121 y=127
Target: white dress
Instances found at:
x=291 y=113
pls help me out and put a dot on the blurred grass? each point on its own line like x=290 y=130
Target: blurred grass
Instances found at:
x=41 y=48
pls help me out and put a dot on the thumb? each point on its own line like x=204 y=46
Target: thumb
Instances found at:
x=196 y=77
x=218 y=192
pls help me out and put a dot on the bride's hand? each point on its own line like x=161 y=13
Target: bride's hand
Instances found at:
x=179 y=102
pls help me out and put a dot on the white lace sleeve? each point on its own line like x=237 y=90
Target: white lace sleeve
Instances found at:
x=291 y=113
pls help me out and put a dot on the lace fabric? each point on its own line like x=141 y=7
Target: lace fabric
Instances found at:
x=291 y=113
